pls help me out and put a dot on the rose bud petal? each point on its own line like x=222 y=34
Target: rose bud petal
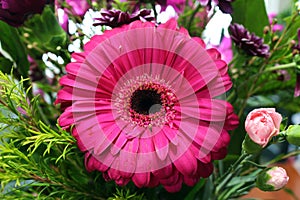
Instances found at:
x=262 y=124
x=272 y=179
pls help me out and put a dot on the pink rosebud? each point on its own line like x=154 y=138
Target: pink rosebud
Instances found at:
x=262 y=124
x=272 y=179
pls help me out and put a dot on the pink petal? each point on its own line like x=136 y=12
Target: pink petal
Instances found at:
x=190 y=180
x=171 y=24
x=175 y=187
x=165 y=172
x=171 y=135
x=186 y=164
x=66 y=119
x=205 y=170
x=141 y=179
x=172 y=180
x=214 y=53
x=161 y=144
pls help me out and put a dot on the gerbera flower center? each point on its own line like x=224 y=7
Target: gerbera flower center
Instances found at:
x=146 y=102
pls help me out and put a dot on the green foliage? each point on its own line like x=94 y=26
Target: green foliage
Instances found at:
x=14 y=47
x=252 y=14
x=194 y=20
x=38 y=160
x=293 y=22
x=125 y=195
x=121 y=5
x=43 y=33
x=5 y=64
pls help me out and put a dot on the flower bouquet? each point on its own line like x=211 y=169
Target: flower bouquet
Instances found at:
x=132 y=100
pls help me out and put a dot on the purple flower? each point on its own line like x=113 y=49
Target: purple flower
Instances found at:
x=116 y=18
x=15 y=12
x=178 y=5
x=296 y=47
x=224 y=5
x=250 y=43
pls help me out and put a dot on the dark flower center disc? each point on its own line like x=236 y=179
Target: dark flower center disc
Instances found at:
x=146 y=102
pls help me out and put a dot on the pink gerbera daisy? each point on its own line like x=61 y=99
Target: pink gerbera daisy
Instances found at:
x=145 y=104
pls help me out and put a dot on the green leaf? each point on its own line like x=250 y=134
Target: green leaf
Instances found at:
x=5 y=65
x=45 y=32
x=293 y=25
x=260 y=101
x=252 y=14
x=12 y=44
x=192 y=194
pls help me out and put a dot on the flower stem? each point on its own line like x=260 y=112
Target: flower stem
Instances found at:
x=255 y=164
x=285 y=30
x=230 y=173
x=154 y=10
x=284 y=66
x=252 y=88
x=193 y=16
x=282 y=157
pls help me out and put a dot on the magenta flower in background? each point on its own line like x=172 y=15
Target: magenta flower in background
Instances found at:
x=250 y=43
x=224 y=5
x=116 y=18
x=78 y=7
x=262 y=124
x=63 y=20
x=141 y=101
x=75 y=8
x=225 y=49
x=15 y=12
x=178 y=5
x=275 y=26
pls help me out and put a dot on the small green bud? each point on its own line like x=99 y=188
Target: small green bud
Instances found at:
x=293 y=135
x=266 y=29
x=251 y=147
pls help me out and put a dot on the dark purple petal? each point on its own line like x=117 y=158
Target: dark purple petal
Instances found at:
x=283 y=75
x=225 y=6
x=15 y=12
x=296 y=47
x=117 y=18
x=250 y=43
x=297 y=87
